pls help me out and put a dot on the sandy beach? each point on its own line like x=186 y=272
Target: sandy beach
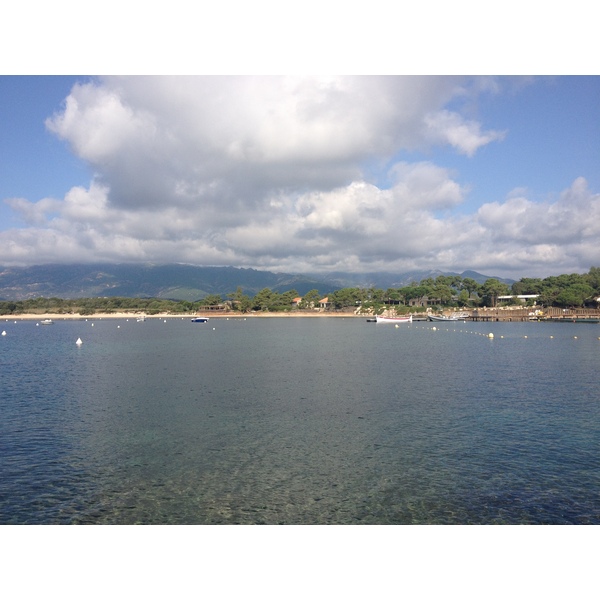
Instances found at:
x=211 y=315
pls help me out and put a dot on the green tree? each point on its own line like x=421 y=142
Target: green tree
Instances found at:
x=310 y=299
x=444 y=292
x=346 y=297
x=574 y=295
x=470 y=285
x=463 y=297
x=527 y=285
x=263 y=299
x=240 y=301
x=287 y=298
x=593 y=278
x=491 y=289
x=211 y=300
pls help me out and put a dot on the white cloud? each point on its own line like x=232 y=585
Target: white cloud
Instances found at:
x=466 y=136
x=199 y=140
x=357 y=227
x=269 y=172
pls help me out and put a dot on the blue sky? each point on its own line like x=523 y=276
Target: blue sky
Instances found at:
x=34 y=163
x=496 y=174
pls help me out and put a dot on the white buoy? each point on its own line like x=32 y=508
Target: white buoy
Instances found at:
x=4 y=333
x=79 y=342
x=491 y=336
x=118 y=327
x=434 y=329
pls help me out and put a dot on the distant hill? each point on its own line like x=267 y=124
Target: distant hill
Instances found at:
x=184 y=282
x=385 y=280
x=174 y=281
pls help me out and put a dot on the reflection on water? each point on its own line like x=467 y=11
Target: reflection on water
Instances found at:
x=299 y=421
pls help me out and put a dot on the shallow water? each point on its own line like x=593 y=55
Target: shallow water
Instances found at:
x=299 y=421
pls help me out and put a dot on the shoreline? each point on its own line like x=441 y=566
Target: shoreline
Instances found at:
x=123 y=315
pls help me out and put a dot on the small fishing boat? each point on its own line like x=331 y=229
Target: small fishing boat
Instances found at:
x=403 y=319
x=455 y=316
x=442 y=318
x=47 y=322
x=199 y=319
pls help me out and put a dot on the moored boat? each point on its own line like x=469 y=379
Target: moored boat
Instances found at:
x=403 y=319
x=455 y=316
x=442 y=318
x=47 y=322
x=199 y=319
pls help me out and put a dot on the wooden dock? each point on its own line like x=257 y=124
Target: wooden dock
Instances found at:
x=578 y=315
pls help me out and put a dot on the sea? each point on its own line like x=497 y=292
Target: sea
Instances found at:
x=299 y=421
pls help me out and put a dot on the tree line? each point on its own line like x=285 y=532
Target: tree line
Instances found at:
x=574 y=290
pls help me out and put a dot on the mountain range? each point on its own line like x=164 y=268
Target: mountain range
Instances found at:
x=186 y=282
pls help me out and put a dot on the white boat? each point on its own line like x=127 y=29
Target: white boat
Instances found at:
x=47 y=322
x=455 y=316
x=442 y=318
x=404 y=319
x=141 y=318
x=200 y=320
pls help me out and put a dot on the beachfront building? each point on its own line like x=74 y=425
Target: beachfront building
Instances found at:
x=520 y=298
x=324 y=303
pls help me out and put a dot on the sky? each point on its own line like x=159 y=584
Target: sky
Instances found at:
x=296 y=170
x=455 y=136
x=499 y=174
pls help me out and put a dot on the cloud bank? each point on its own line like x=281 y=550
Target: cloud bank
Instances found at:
x=285 y=174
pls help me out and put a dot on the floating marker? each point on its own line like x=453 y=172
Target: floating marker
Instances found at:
x=491 y=336
x=434 y=329
x=4 y=333
x=79 y=342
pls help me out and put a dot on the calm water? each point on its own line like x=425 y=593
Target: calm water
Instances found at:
x=299 y=421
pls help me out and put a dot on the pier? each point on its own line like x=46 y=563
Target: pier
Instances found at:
x=565 y=315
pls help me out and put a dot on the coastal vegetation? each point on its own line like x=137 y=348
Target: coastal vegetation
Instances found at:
x=444 y=291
